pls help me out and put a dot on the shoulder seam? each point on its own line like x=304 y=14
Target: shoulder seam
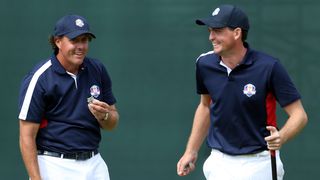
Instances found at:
x=204 y=54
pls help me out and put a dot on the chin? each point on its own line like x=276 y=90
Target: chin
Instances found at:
x=79 y=58
x=78 y=61
x=216 y=51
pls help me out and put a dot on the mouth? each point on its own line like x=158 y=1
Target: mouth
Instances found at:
x=215 y=44
x=79 y=54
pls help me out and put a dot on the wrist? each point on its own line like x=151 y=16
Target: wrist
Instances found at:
x=35 y=177
x=193 y=152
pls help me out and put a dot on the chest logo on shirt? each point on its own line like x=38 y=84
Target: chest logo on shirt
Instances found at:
x=95 y=91
x=249 y=90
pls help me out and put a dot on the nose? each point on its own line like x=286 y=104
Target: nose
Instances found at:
x=211 y=35
x=81 y=45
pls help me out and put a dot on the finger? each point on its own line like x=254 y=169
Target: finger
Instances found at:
x=98 y=109
x=178 y=166
x=187 y=168
x=273 y=146
x=91 y=108
x=272 y=136
x=272 y=129
x=94 y=111
x=100 y=103
x=269 y=138
x=191 y=166
x=181 y=169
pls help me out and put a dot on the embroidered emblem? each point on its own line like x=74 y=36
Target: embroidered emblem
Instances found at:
x=216 y=11
x=95 y=91
x=249 y=90
x=79 y=23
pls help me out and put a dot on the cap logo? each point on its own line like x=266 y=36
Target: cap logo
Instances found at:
x=249 y=90
x=79 y=23
x=95 y=91
x=216 y=11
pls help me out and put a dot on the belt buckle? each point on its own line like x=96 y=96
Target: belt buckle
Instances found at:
x=46 y=153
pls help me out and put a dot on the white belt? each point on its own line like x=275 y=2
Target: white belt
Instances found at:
x=224 y=155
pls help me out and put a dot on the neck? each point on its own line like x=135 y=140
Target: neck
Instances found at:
x=234 y=58
x=69 y=67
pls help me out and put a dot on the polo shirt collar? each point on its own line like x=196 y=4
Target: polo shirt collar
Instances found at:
x=248 y=57
x=60 y=69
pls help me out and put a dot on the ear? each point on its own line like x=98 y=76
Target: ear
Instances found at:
x=237 y=33
x=57 y=41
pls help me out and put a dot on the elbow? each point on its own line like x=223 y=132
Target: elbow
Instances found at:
x=111 y=126
x=304 y=118
x=301 y=119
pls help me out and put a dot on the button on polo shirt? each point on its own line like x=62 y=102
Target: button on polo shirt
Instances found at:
x=243 y=102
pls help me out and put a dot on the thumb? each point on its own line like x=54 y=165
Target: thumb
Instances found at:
x=272 y=129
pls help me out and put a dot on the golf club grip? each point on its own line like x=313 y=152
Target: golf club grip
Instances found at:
x=273 y=164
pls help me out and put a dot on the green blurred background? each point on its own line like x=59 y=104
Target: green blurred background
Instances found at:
x=149 y=48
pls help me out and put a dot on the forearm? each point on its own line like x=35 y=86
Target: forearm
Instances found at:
x=293 y=126
x=200 y=129
x=295 y=123
x=29 y=154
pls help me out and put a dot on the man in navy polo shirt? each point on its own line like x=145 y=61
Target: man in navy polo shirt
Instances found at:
x=64 y=101
x=239 y=88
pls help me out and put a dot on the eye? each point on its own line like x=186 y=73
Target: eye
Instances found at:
x=73 y=41
x=218 y=30
x=79 y=40
x=84 y=39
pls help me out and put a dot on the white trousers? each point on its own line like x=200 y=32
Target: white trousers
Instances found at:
x=53 y=168
x=220 y=166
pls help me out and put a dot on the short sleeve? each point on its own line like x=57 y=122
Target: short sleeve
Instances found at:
x=201 y=88
x=282 y=86
x=31 y=99
x=107 y=87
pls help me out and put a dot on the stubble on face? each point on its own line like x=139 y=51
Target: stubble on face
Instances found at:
x=72 y=52
x=222 y=40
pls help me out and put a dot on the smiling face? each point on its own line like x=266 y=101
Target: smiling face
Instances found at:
x=223 y=39
x=72 y=51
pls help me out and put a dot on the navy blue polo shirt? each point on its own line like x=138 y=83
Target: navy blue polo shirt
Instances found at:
x=58 y=101
x=243 y=102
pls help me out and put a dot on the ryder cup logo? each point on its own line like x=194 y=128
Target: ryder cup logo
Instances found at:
x=249 y=90
x=95 y=91
x=79 y=23
x=216 y=11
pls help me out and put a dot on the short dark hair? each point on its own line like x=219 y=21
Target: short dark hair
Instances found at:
x=52 y=40
x=244 y=33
